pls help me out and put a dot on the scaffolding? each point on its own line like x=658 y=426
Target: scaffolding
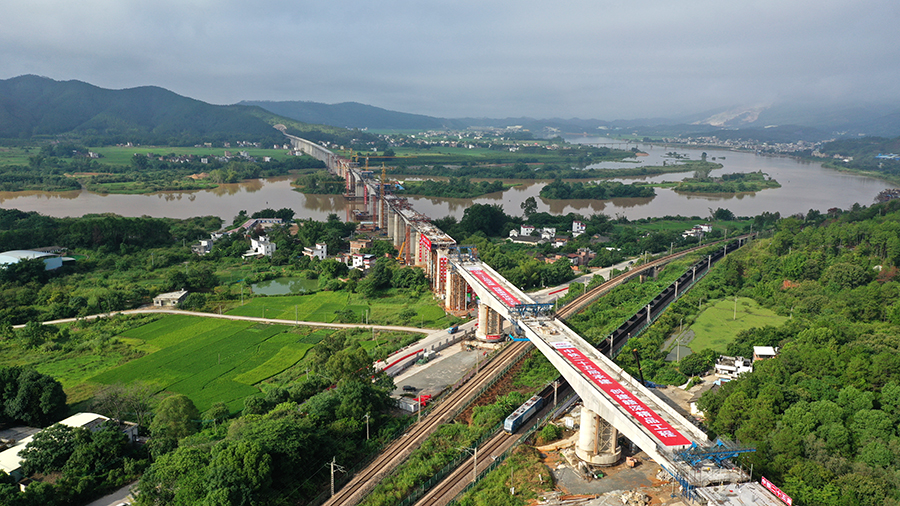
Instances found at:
x=723 y=450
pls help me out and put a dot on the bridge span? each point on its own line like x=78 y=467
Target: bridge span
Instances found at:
x=614 y=401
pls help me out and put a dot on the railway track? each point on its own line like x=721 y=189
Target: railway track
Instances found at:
x=398 y=451
x=455 y=482
x=582 y=301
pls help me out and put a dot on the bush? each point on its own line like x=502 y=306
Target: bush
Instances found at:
x=550 y=433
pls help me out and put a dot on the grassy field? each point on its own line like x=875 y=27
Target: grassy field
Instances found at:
x=717 y=326
x=322 y=307
x=121 y=155
x=209 y=360
x=16 y=155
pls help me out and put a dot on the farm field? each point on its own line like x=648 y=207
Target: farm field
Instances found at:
x=121 y=155
x=323 y=307
x=716 y=326
x=210 y=360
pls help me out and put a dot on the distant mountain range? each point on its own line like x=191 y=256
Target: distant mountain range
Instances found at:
x=776 y=123
x=33 y=106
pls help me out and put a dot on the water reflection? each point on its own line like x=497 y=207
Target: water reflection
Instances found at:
x=805 y=186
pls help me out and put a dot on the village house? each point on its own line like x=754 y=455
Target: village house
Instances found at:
x=170 y=299
x=764 y=352
x=260 y=246
x=578 y=228
x=363 y=261
x=320 y=251
x=357 y=245
x=733 y=367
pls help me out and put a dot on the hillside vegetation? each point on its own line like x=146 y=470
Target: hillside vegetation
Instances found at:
x=823 y=415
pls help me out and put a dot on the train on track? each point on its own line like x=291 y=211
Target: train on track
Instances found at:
x=523 y=414
x=621 y=335
x=527 y=410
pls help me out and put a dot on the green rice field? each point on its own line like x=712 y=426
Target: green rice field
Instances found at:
x=717 y=326
x=210 y=360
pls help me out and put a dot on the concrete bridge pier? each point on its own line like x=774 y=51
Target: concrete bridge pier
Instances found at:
x=597 y=440
x=490 y=323
x=455 y=299
x=394 y=231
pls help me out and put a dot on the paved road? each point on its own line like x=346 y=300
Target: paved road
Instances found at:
x=244 y=318
x=121 y=496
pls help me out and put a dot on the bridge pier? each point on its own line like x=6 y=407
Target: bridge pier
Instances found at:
x=455 y=299
x=490 y=324
x=395 y=228
x=597 y=440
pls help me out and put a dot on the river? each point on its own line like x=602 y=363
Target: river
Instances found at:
x=804 y=186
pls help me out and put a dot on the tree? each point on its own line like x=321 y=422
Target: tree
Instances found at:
x=125 y=402
x=31 y=398
x=217 y=413
x=486 y=218
x=50 y=448
x=176 y=417
x=239 y=472
x=697 y=363
x=529 y=207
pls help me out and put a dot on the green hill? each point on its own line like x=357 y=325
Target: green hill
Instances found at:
x=33 y=106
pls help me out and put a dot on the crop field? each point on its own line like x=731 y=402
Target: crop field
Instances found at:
x=716 y=326
x=323 y=307
x=121 y=155
x=210 y=360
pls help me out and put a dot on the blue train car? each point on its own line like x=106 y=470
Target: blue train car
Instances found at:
x=523 y=413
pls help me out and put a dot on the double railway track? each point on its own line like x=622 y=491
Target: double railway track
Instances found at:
x=443 y=412
x=582 y=301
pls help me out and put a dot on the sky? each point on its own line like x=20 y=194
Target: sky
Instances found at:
x=601 y=59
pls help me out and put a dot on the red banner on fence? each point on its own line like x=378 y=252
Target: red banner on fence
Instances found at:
x=777 y=491
x=634 y=406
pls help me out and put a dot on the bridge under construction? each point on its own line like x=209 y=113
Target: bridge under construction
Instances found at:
x=614 y=401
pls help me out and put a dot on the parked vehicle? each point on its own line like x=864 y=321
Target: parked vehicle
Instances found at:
x=409 y=388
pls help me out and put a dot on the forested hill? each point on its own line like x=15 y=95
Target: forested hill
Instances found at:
x=823 y=414
x=33 y=106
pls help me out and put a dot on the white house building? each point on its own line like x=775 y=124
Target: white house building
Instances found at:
x=363 y=261
x=733 y=367
x=578 y=228
x=260 y=247
x=320 y=251
x=170 y=299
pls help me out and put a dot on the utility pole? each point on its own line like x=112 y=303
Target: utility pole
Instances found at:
x=367 y=426
x=333 y=466
x=474 y=451
x=555 y=386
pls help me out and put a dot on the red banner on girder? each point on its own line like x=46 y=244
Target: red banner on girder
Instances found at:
x=495 y=287
x=634 y=406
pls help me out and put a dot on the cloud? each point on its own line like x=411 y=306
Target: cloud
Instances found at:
x=613 y=59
